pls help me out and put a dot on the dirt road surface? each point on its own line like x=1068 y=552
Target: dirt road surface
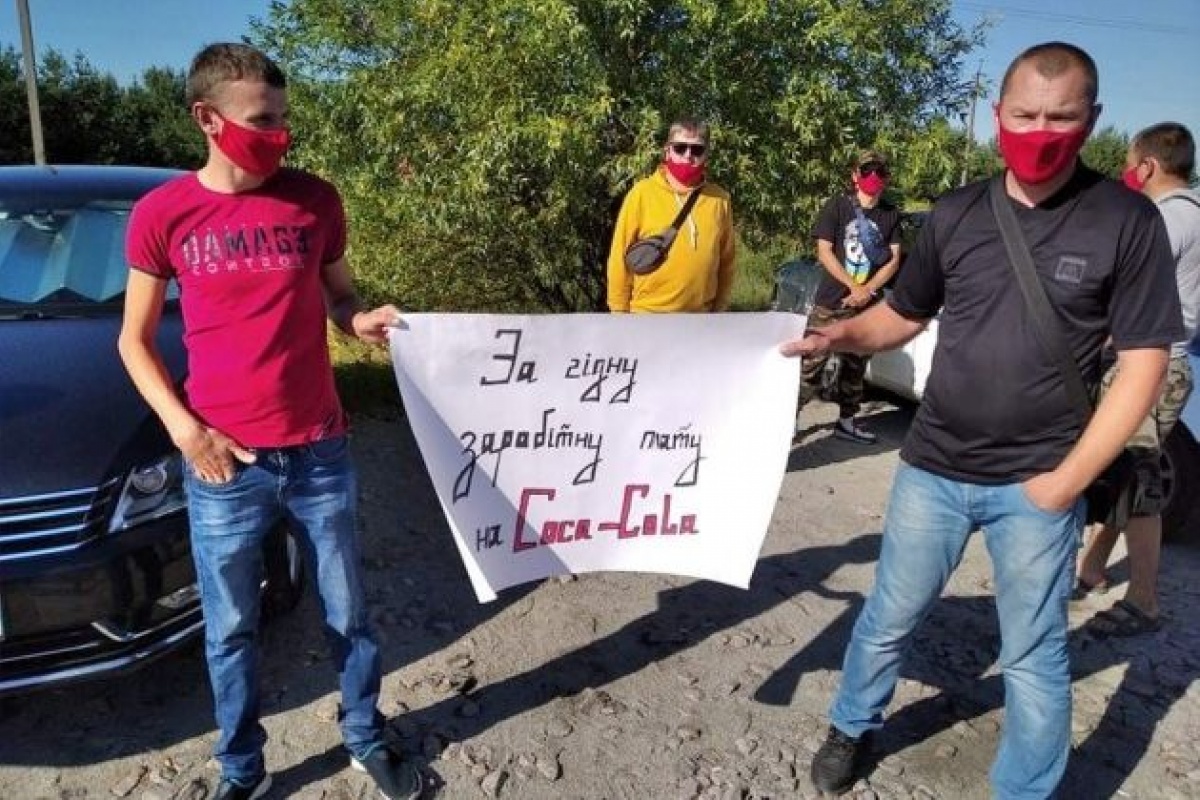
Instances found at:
x=635 y=686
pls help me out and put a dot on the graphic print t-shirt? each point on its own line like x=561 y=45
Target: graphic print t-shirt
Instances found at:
x=838 y=224
x=249 y=272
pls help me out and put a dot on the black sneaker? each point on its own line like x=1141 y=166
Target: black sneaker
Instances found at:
x=846 y=428
x=232 y=790
x=397 y=779
x=835 y=766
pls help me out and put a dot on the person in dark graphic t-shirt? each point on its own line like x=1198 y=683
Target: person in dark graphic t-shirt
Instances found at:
x=258 y=252
x=858 y=244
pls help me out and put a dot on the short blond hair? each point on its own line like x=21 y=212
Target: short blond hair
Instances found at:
x=695 y=126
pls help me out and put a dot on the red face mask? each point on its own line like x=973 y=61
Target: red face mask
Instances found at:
x=872 y=184
x=1037 y=156
x=257 y=152
x=1130 y=178
x=687 y=174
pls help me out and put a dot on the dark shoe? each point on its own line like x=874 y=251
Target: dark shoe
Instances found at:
x=836 y=764
x=231 y=790
x=397 y=779
x=851 y=431
x=1123 y=619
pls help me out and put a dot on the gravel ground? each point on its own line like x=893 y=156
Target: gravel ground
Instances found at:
x=621 y=685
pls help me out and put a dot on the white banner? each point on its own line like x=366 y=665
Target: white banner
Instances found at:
x=584 y=442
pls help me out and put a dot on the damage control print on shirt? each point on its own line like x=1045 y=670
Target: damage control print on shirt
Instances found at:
x=254 y=248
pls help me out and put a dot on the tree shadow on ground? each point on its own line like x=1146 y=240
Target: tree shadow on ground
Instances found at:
x=955 y=650
x=684 y=617
x=421 y=601
x=815 y=446
x=418 y=587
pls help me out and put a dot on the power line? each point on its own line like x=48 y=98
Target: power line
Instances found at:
x=1073 y=19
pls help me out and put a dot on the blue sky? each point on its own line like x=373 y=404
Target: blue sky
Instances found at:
x=123 y=37
x=1146 y=51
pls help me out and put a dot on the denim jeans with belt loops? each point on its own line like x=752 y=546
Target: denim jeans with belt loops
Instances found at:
x=314 y=488
x=929 y=520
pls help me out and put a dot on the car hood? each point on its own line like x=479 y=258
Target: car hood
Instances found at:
x=69 y=414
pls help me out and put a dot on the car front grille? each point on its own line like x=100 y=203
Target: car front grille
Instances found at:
x=55 y=523
x=60 y=657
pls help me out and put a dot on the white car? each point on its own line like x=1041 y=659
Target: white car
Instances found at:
x=903 y=371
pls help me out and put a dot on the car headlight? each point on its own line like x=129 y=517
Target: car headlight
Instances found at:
x=151 y=491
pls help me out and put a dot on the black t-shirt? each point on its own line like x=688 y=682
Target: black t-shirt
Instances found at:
x=996 y=408
x=838 y=224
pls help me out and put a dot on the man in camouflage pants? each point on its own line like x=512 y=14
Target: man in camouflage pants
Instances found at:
x=1159 y=163
x=858 y=244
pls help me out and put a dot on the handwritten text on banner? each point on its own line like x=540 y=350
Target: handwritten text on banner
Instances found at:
x=584 y=442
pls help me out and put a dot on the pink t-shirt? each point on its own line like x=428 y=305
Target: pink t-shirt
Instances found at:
x=249 y=272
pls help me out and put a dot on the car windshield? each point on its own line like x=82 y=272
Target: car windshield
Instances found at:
x=63 y=260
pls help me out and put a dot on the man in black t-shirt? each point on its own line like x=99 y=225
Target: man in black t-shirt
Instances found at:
x=996 y=444
x=858 y=244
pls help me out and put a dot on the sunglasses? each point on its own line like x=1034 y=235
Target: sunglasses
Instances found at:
x=684 y=148
x=873 y=168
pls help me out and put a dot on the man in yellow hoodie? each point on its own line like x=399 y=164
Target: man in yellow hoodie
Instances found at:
x=697 y=273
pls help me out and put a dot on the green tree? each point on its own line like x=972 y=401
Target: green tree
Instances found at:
x=16 y=146
x=985 y=160
x=88 y=118
x=928 y=160
x=483 y=146
x=158 y=130
x=1105 y=152
x=78 y=106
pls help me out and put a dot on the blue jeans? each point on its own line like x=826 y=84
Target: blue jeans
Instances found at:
x=1033 y=557
x=314 y=488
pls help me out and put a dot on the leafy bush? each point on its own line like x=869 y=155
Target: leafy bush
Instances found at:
x=483 y=146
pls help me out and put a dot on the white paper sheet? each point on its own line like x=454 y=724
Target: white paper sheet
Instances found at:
x=583 y=442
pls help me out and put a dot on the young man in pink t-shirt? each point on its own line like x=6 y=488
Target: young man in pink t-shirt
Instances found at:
x=258 y=252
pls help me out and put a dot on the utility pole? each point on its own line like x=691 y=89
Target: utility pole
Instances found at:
x=35 y=111
x=970 y=126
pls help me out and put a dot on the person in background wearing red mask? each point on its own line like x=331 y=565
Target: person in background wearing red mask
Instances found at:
x=858 y=244
x=697 y=273
x=997 y=444
x=258 y=251
x=1159 y=163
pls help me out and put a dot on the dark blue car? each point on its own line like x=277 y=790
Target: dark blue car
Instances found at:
x=96 y=575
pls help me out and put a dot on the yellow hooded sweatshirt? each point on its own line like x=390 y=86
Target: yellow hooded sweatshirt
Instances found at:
x=697 y=274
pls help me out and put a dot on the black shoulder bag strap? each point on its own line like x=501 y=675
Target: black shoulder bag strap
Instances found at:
x=687 y=208
x=1046 y=325
x=865 y=226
